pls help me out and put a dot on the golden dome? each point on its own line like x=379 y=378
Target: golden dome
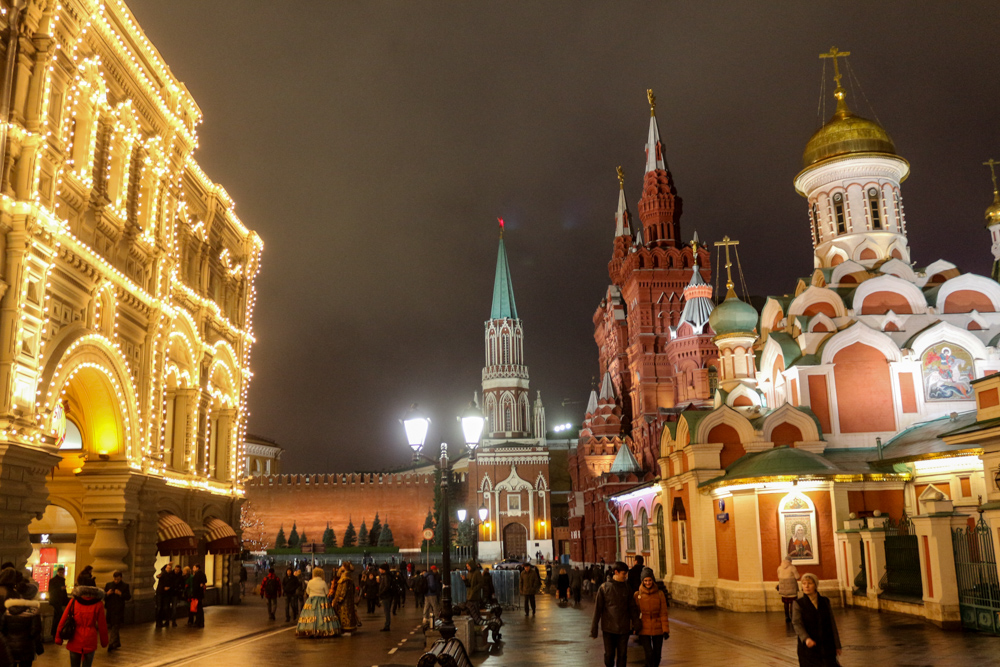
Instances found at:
x=846 y=134
x=993 y=212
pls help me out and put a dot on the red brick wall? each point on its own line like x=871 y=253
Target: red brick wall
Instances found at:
x=402 y=501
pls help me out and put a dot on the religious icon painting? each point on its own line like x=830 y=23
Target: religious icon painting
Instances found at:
x=947 y=372
x=797 y=524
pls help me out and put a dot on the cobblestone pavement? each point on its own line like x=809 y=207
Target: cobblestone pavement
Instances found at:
x=556 y=637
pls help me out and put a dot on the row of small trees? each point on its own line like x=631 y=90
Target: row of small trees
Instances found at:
x=378 y=535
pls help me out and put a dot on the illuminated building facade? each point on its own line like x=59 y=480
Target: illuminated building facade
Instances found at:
x=843 y=432
x=127 y=299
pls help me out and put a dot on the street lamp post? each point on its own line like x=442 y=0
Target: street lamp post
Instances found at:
x=416 y=427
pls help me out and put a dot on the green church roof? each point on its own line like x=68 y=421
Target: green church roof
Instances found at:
x=503 y=290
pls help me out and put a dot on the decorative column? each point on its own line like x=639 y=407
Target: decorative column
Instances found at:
x=849 y=553
x=874 y=540
x=23 y=497
x=750 y=594
x=937 y=560
x=110 y=504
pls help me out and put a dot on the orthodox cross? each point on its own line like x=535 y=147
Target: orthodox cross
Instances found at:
x=652 y=101
x=835 y=53
x=726 y=242
x=991 y=163
x=621 y=178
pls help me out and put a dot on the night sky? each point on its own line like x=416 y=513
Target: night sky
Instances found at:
x=373 y=145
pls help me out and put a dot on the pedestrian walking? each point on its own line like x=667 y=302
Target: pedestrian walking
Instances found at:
x=489 y=592
x=562 y=586
x=386 y=594
x=270 y=590
x=400 y=586
x=418 y=585
x=576 y=585
x=197 y=602
x=616 y=614
x=116 y=594
x=530 y=585
x=21 y=625
x=58 y=597
x=86 y=609
x=432 y=596
x=243 y=580
x=369 y=589
x=317 y=618
x=788 y=586
x=291 y=588
x=653 y=617
x=165 y=591
x=344 y=602
x=635 y=573
x=812 y=618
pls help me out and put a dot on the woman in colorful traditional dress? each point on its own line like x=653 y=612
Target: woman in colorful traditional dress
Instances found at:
x=344 y=602
x=317 y=618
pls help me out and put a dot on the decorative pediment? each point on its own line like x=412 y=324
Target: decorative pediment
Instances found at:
x=513 y=482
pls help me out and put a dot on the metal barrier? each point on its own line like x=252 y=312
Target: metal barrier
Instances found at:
x=506 y=587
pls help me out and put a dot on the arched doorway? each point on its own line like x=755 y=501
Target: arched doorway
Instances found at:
x=53 y=545
x=661 y=543
x=515 y=541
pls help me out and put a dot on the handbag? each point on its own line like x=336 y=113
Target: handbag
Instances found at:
x=194 y=605
x=68 y=628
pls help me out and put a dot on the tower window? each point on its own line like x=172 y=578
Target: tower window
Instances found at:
x=815 y=220
x=874 y=208
x=895 y=205
x=838 y=207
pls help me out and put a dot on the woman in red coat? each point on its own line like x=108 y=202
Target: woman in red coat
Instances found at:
x=87 y=608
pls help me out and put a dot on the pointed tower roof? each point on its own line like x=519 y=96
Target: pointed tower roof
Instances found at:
x=623 y=219
x=592 y=402
x=607 y=388
x=654 y=149
x=503 y=289
x=698 y=305
x=625 y=462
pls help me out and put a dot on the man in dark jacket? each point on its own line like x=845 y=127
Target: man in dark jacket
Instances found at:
x=418 y=584
x=386 y=593
x=291 y=587
x=530 y=584
x=270 y=590
x=199 y=582
x=165 y=585
x=635 y=574
x=473 y=578
x=116 y=594
x=432 y=596
x=21 y=624
x=58 y=597
x=615 y=610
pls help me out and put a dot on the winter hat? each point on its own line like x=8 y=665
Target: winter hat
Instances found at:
x=647 y=573
x=810 y=575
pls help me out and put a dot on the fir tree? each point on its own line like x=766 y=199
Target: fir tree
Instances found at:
x=428 y=523
x=350 y=536
x=280 y=542
x=303 y=539
x=293 y=537
x=363 y=535
x=385 y=538
x=329 y=538
x=374 y=532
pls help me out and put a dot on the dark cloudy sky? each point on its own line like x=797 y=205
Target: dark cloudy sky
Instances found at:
x=372 y=146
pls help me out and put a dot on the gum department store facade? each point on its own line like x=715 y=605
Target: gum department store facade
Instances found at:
x=846 y=424
x=127 y=294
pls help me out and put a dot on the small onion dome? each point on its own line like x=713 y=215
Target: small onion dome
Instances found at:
x=846 y=134
x=733 y=316
x=993 y=212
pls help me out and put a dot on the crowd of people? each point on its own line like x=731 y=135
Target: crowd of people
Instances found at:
x=180 y=588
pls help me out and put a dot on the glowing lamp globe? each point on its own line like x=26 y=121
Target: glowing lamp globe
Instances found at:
x=461 y=515
x=483 y=513
x=416 y=426
x=472 y=425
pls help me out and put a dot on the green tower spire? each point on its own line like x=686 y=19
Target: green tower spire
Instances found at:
x=503 y=290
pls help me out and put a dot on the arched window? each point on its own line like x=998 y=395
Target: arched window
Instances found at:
x=661 y=542
x=838 y=208
x=874 y=208
x=895 y=206
x=506 y=348
x=629 y=532
x=644 y=528
x=713 y=379
x=815 y=221
x=73 y=439
x=507 y=422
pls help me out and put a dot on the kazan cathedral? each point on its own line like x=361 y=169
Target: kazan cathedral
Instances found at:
x=835 y=426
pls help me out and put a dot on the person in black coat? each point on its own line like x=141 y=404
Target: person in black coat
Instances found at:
x=58 y=597
x=812 y=618
x=86 y=577
x=292 y=588
x=165 y=585
x=21 y=625
x=386 y=593
x=199 y=582
x=635 y=574
x=116 y=594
